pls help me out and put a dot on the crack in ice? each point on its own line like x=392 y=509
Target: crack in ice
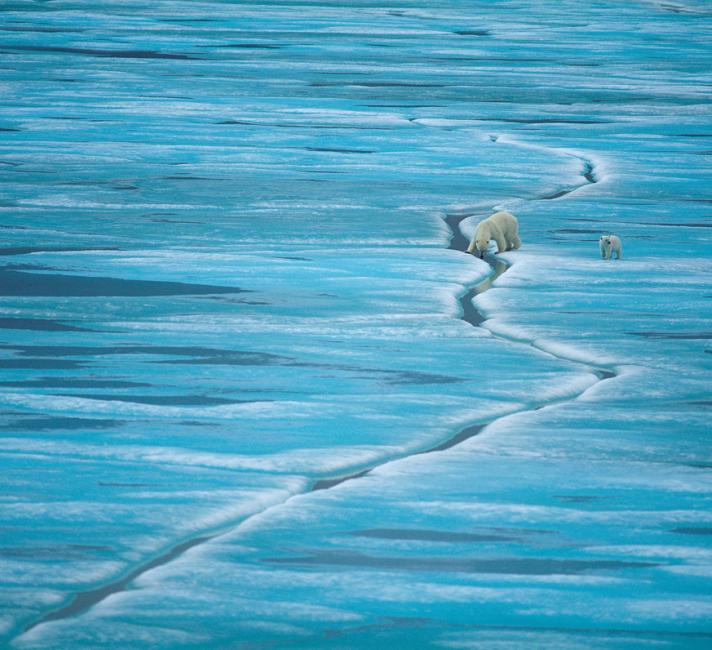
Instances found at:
x=85 y=600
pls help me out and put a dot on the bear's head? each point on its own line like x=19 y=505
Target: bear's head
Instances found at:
x=481 y=246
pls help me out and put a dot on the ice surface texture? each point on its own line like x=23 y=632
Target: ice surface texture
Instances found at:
x=231 y=279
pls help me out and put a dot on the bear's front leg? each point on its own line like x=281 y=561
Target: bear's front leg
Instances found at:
x=501 y=244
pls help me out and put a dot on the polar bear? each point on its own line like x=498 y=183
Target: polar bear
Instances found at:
x=503 y=227
x=610 y=244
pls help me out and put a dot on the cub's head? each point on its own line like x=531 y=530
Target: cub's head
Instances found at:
x=605 y=241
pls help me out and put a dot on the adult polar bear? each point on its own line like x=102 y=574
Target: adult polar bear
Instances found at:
x=503 y=227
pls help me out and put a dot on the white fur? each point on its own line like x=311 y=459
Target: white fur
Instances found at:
x=503 y=227
x=610 y=244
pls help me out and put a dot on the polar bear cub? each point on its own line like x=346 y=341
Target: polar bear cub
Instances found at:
x=610 y=244
x=503 y=227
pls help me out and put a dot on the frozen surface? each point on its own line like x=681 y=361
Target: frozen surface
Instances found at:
x=227 y=285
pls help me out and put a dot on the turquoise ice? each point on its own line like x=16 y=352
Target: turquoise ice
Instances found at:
x=248 y=398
